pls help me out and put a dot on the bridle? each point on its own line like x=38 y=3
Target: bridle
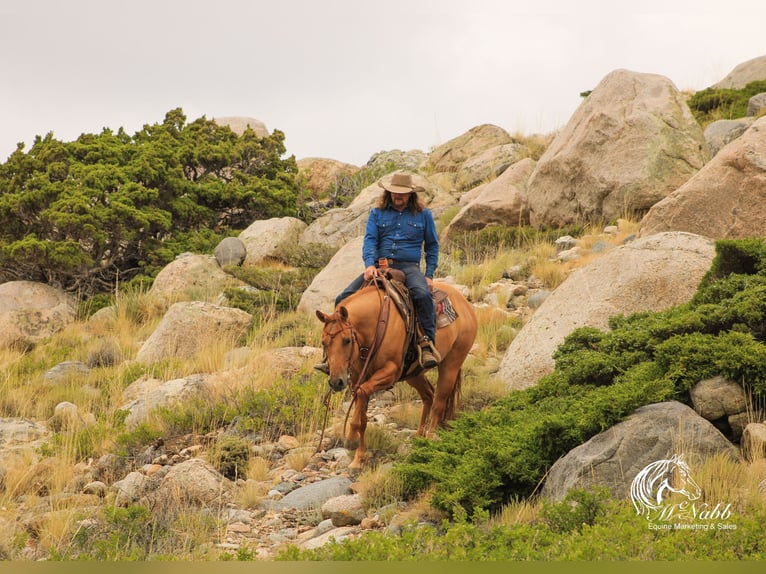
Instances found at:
x=363 y=353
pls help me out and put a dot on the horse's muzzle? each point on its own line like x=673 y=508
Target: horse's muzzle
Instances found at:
x=337 y=384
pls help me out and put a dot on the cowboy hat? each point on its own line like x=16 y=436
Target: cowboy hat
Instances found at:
x=400 y=183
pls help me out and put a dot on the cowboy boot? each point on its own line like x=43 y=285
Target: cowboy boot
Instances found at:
x=429 y=356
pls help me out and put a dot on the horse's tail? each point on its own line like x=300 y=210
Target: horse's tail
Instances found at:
x=450 y=409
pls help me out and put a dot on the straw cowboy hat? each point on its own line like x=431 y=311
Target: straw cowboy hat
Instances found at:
x=400 y=183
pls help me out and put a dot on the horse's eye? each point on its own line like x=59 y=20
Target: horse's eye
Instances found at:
x=346 y=340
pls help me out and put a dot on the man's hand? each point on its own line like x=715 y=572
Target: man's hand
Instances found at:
x=370 y=272
x=430 y=283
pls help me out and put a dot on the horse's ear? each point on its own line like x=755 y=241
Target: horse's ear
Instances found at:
x=322 y=317
x=343 y=313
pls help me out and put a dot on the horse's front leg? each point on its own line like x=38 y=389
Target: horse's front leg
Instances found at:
x=382 y=379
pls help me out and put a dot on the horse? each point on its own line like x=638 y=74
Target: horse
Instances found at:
x=658 y=480
x=363 y=359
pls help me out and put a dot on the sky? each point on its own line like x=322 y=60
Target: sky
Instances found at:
x=345 y=79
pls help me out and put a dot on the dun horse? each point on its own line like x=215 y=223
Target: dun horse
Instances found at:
x=361 y=358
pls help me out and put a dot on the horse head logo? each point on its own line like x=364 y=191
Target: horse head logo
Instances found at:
x=658 y=480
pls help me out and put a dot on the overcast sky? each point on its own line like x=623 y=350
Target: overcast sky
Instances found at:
x=344 y=79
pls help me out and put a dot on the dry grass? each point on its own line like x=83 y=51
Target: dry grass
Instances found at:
x=517 y=512
x=379 y=487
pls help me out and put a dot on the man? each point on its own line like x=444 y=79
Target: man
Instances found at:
x=400 y=229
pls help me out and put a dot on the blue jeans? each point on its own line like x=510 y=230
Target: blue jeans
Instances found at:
x=419 y=291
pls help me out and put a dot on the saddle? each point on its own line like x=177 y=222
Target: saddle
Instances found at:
x=400 y=295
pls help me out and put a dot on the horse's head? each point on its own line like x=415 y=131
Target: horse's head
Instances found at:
x=340 y=345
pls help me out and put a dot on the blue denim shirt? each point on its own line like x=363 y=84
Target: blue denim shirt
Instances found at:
x=401 y=235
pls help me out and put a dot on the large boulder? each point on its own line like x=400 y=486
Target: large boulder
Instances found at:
x=191 y=276
x=649 y=274
x=631 y=142
x=147 y=394
x=451 y=155
x=321 y=175
x=275 y=238
x=613 y=458
x=488 y=164
x=193 y=482
x=722 y=132
x=343 y=268
x=238 y=124
x=31 y=312
x=744 y=73
x=503 y=201
x=412 y=160
x=230 y=251
x=756 y=104
x=726 y=199
x=190 y=327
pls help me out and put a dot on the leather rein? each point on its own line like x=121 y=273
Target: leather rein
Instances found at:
x=364 y=353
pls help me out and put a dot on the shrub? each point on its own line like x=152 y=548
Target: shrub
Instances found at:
x=111 y=207
x=490 y=457
x=723 y=103
x=230 y=456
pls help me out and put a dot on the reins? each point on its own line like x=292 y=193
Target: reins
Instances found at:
x=380 y=330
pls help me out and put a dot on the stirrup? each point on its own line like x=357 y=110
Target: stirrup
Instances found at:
x=428 y=356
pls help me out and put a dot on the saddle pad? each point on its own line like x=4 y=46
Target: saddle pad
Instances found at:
x=445 y=312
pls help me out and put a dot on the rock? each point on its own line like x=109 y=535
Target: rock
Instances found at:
x=65 y=416
x=630 y=143
x=275 y=238
x=230 y=251
x=501 y=202
x=312 y=495
x=343 y=268
x=488 y=164
x=649 y=274
x=95 y=487
x=16 y=433
x=335 y=535
x=718 y=397
x=726 y=199
x=147 y=394
x=756 y=104
x=31 y=312
x=451 y=155
x=191 y=276
x=412 y=160
x=191 y=326
x=130 y=488
x=66 y=371
x=744 y=73
x=239 y=124
x=194 y=482
x=321 y=175
x=754 y=442
x=344 y=510
x=614 y=457
x=720 y=133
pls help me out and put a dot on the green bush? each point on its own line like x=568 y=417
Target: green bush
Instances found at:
x=111 y=207
x=230 y=456
x=723 y=103
x=611 y=531
x=490 y=457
